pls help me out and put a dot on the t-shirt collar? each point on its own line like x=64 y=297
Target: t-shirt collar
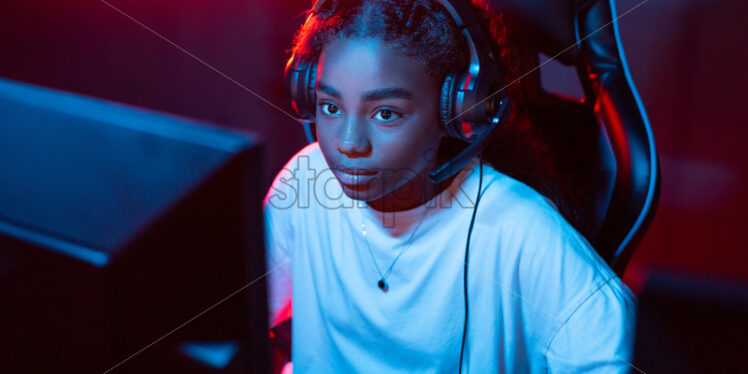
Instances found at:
x=405 y=218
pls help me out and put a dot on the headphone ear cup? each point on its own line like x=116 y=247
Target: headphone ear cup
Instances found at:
x=446 y=105
x=300 y=76
x=311 y=93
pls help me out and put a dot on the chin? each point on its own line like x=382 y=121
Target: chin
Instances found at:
x=357 y=193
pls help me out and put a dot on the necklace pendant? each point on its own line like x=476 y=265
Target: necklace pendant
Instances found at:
x=383 y=285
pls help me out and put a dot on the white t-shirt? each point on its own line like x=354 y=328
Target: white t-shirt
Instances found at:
x=540 y=298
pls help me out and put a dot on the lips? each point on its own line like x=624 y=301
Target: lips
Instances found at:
x=354 y=176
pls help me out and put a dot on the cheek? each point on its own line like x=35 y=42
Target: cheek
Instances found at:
x=325 y=136
x=411 y=151
x=422 y=138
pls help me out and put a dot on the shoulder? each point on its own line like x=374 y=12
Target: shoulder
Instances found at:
x=554 y=261
x=287 y=193
x=567 y=288
x=598 y=335
x=287 y=187
x=308 y=160
x=520 y=212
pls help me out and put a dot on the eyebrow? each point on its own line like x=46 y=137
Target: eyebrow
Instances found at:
x=373 y=95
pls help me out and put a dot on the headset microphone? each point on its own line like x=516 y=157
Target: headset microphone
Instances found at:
x=458 y=162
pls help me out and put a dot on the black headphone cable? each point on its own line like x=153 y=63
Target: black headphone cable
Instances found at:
x=465 y=269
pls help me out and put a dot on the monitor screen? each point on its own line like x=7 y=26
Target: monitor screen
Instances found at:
x=127 y=237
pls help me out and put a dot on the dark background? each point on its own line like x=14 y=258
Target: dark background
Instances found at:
x=687 y=58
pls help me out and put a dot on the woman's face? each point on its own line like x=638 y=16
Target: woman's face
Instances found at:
x=377 y=111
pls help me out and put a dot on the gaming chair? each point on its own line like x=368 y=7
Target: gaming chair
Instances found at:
x=603 y=143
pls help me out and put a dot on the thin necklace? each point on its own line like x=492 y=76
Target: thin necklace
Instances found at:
x=382 y=283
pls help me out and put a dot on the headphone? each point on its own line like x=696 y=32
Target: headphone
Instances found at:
x=472 y=104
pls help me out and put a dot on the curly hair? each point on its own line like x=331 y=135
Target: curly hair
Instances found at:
x=425 y=31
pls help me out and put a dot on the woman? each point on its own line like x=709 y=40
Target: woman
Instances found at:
x=376 y=252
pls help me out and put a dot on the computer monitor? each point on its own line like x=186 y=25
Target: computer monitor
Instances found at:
x=126 y=231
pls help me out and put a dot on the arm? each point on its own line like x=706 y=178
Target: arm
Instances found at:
x=581 y=312
x=278 y=236
x=280 y=340
x=598 y=335
x=280 y=308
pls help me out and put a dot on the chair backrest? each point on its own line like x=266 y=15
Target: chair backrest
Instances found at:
x=602 y=145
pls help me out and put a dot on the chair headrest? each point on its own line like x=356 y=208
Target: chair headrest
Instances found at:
x=547 y=25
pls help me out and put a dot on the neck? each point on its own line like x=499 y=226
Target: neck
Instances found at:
x=428 y=190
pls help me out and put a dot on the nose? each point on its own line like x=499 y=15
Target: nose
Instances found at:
x=353 y=138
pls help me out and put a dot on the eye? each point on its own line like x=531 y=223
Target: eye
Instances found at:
x=329 y=109
x=387 y=115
